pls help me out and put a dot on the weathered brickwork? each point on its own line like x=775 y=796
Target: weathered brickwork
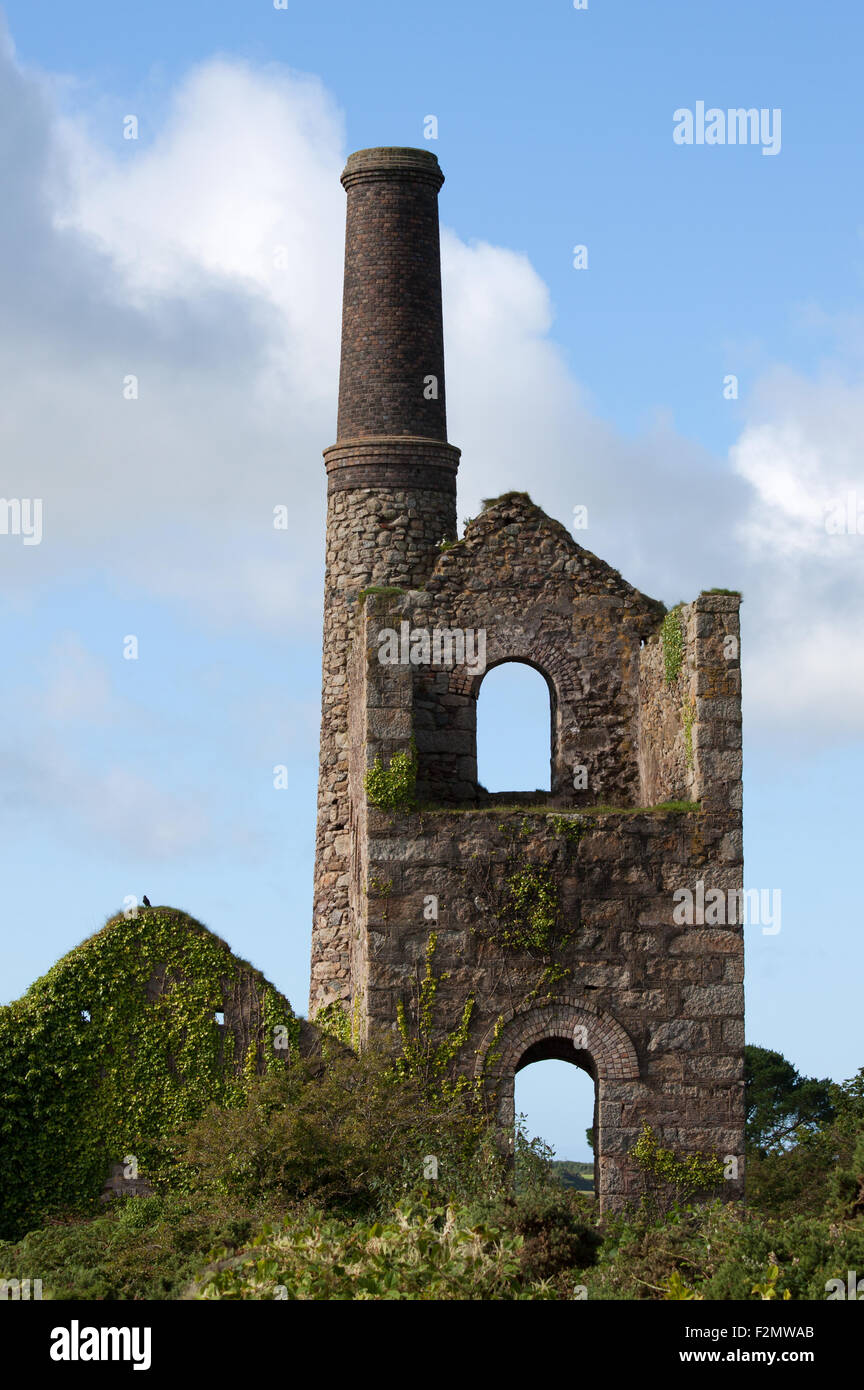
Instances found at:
x=602 y=975
x=392 y=337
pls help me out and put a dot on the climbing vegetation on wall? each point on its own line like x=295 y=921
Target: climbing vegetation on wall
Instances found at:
x=674 y=1179
x=672 y=637
x=335 y=1019
x=425 y=1053
x=118 y=1045
x=519 y=901
x=688 y=719
x=391 y=788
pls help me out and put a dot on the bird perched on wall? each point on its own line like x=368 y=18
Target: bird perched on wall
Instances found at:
x=146 y=900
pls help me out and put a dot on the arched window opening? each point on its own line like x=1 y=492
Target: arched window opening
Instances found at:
x=514 y=730
x=555 y=1104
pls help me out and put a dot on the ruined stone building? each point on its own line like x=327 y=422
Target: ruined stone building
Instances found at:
x=550 y=921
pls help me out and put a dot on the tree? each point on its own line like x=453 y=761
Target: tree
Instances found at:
x=781 y=1105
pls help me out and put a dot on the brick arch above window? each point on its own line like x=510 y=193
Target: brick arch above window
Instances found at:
x=546 y=657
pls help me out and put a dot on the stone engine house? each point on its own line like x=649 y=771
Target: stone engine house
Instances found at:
x=551 y=921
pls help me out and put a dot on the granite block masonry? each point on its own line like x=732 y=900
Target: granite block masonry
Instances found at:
x=552 y=913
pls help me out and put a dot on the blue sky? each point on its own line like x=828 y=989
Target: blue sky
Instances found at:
x=602 y=386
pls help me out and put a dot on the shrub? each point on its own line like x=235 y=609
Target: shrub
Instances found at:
x=344 y=1131
x=422 y=1252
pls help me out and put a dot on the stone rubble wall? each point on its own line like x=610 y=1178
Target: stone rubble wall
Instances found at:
x=375 y=536
x=675 y=991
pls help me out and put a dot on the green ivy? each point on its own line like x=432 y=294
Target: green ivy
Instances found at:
x=335 y=1019
x=688 y=719
x=573 y=828
x=672 y=637
x=421 y=1057
x=675 y=1179
x=78 y=1095
x=392 y=788
x=531 y=910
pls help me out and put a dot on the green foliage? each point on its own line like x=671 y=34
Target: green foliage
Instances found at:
x=422 y=1252
x=688 y=718
x=674 y=1180
x=733 y=593
x=344 y=1131
x=78 y=1095
x=335 y=1019
x=805 y=1152
x=533 y=1161
x=313 y=1188
x=780 y=1103
x=522 y=909
x=533 y=905
x=722 y=1253
x=672 y=637
x=556 y=1229
x=573 y=828
x=676 y=1288
x=578 y=1176
x=767 y=1289
x=421 y=1057
x=140 y=1248
x=392 y=788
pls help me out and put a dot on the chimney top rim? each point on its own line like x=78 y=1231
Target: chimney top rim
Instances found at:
x=387 y=161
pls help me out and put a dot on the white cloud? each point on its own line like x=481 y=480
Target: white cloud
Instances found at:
x=78 y=688
x=115 y=805
x=801 y=456
x=208 y=263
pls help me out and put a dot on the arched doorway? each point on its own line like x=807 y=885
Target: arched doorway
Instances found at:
x=571 y=1031
x=555 y=1103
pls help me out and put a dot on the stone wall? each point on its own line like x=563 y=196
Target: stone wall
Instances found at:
x=540 y=598
x=667 y=996
x=374 y=537
x=690 y=726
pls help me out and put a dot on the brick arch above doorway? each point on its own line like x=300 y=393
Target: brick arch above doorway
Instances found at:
x=602 y=1039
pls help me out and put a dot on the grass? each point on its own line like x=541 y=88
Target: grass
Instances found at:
x=488 y=502
x=382 y=590
x=678 y=808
